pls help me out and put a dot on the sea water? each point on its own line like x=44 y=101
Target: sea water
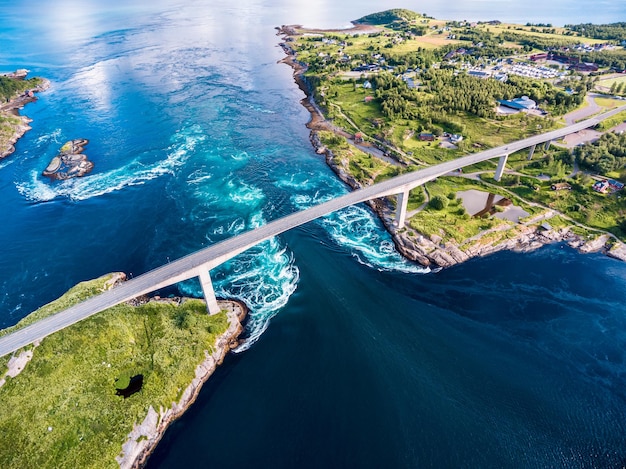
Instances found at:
x=353 y=356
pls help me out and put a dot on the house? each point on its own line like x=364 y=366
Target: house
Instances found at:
x=19 y=74
x=478 y=74
x=601 y=186
x=522 y=104
x=426 y=137
x=368 y=99
x=584 y=67
x=410 y=83
x=456 y=138
x=561 y=186
x=615 y=185
x=358 y=137
x=537 y=57
x=367 y=85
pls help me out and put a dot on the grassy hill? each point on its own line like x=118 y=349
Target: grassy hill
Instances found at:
x=63 y=411
x=389 y=16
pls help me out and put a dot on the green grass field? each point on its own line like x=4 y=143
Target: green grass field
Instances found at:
x=526 y=30
x=608 y=82
x=62 y=410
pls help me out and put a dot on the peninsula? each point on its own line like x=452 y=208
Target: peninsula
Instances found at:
x=16 y=91
x=61 y=399
x=401 y=91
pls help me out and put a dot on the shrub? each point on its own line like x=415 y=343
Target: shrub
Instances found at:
x=438 y=202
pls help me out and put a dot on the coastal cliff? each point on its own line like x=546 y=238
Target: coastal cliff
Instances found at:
x=144 y=437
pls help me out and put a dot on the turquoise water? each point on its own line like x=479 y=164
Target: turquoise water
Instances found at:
x=353 y=356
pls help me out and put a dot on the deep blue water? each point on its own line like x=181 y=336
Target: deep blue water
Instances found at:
x=197 y=134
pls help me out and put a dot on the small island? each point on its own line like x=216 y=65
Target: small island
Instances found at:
x=70 y=162
x=15 y=92
x=401 y=91
x=102 y=392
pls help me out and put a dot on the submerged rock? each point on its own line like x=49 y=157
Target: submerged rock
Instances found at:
x=70 y=162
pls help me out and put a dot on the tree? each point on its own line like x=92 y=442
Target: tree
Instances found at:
x=438 y=202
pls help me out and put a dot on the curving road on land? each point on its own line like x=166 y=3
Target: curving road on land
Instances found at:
x=189 y=266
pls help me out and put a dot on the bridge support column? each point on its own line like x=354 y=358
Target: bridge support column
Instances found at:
x=547 y=145
x=401 y=204
x=531 y=152
x=207 y=290
x=500 y=168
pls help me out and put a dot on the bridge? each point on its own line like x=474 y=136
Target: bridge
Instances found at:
x=199 y=263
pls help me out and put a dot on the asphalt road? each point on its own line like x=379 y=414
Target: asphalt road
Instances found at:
x=212 y=256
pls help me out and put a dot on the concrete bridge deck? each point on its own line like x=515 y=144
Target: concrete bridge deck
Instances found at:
x=199 y=263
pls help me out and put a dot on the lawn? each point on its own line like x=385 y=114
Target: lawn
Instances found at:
x=608 y=82
x=453 y=223
x=526 y=30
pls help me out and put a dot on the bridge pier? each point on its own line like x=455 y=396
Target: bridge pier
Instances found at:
x=531 y=152
x=547 y=145
x=401 y=204
x=207 y=290
x=500 y=168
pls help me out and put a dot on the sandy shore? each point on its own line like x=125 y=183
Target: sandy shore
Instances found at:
x=145 y=436
x=430 y=251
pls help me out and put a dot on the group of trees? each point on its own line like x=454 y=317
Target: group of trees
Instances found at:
x=532 y=41
x=389 y=16
x=10 y=87
x=612 y=58
x=444 y=91
x=609 y=32
x=606 y=154
x=547 y=93
x=617 y=88
x=463 y=93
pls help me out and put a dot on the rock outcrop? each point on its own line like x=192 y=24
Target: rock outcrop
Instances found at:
x=70 y=162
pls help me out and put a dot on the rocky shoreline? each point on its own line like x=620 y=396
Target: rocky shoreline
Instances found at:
x=11 y=109
x=431 y=252
x=145 y=436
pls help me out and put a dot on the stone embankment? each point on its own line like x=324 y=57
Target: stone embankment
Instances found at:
x=145 y=436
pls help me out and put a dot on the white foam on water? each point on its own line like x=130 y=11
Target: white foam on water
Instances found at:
x=260 y=109
x=243 y=193
x=6 y=161
x=296 y=181
x=241 y=156
x=356 y=228
x=264 y=277
x=53 y=136
x=233 y=228
x=198 y=177
x=39 y=189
